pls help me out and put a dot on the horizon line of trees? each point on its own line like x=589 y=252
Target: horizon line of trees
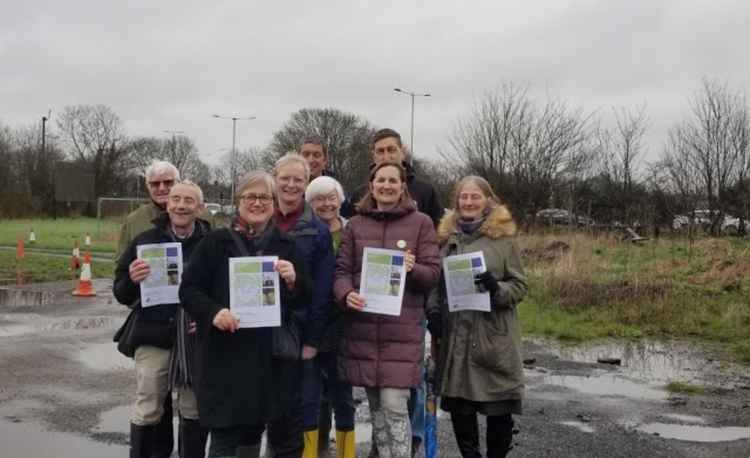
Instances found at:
x=536 y=153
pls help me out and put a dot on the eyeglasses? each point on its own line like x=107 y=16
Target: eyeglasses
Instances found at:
x=156 y=184
x=264 y=199
x=333 y=198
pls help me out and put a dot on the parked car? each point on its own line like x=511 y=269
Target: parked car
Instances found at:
x=730 y=225
x=559 y=216
x=213 y=208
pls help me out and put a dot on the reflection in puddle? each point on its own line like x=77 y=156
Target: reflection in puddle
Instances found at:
x=104 y=357
x=609 y=385
x=21 y=324
x=578 y=425
x=685 y=418
x=25 y=439
x=696 y=433
x=658 y=362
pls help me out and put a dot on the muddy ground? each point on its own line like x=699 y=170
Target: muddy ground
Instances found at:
x=65 y=391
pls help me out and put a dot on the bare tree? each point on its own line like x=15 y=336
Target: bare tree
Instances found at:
x=706 y=153
x=529 y=152
x=347 y=138
x=94 y=136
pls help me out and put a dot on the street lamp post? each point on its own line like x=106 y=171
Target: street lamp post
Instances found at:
x=412 y=95
x=234 y=151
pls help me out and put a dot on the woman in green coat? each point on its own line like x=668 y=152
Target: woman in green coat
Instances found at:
x=479 y=363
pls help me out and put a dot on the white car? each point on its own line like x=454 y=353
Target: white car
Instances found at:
x=213 y=208
x=702 y=218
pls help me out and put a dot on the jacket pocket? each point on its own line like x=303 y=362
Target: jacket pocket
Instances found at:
x=492 y=346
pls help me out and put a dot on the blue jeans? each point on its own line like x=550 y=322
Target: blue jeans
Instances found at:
x=417 y=398
x=319 y=372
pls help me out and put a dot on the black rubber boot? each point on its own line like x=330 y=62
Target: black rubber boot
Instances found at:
x=193 y=439
x=141 y=440
x=466 y=430
x=163 y=443
x=499 y=435
x=324 y=428
x=416 y=444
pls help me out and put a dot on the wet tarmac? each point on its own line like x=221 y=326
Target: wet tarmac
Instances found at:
x=65 y=391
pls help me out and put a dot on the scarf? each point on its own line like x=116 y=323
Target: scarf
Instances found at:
x=469 y=226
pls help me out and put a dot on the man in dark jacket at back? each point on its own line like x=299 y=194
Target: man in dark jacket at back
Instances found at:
x=387 y=147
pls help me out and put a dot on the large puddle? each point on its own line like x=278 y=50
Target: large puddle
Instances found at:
x=654 y=362
x=19 y=324
x=104 y=357
x=695 y=433
x=606 y=385
x=30 y=440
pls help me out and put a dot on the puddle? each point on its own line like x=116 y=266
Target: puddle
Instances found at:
x=654 y=361
x=116 y=420
x=29 y=324
x=27 y=439
x=685 y=418
x=694 y=433
x=606 y=385
x=579 y=426
x=104 y=357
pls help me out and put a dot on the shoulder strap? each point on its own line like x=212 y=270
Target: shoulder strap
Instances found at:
x=239 y=244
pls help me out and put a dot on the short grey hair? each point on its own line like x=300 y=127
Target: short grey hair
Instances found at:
x=291 y=158
x=158 y=167
x=194 y=187
x=324 y=185
x=254 y=177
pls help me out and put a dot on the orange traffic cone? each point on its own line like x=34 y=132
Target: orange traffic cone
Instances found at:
x=85 y=287
x=20 y=249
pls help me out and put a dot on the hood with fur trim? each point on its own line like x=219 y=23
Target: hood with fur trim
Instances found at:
x=499 y=223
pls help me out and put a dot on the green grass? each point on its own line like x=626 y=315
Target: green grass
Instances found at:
x=41 y=268
x=602 y=287
x=60 y=234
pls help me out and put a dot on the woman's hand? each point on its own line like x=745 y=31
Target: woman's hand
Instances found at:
x=355 y=301
x=409 y=260
x=286 y=272
x=138 y=270
x=225 y=320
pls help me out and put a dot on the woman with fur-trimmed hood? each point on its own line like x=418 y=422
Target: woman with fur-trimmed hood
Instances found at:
x=480 y=366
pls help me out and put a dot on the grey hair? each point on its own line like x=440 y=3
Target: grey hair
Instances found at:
x=158 y=167
x=323 y=185
x=196 y=189
x=254 y=177
x=291 y=158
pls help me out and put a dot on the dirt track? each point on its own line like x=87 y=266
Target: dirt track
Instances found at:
x=64 y=392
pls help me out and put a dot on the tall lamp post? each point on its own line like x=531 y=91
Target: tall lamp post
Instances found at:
x=412 y=95
x=234 y=151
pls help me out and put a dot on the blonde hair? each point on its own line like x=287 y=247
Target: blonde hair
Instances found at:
x=292 y=158
x=483 y=186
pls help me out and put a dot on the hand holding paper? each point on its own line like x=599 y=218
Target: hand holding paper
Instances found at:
x=226 y=321
x=355 y=301
x=286 y=272
x=409 y=260
x=138 y=270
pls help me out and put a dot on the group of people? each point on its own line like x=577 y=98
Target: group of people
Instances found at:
x=229 y=382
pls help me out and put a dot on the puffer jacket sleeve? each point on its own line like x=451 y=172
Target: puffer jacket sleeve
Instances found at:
x=123 y=288
x=303 y=283
x=513 y=285
x=322 y=279
x=198 y=281
x=343 y=276
x=426 y=271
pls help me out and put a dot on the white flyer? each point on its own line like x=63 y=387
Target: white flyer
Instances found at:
x=162 y=285
x=254 y=294
x=462 y=293
x=383 y=280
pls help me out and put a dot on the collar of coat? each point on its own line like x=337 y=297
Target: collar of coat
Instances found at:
x=162 y=222
x=499 y=223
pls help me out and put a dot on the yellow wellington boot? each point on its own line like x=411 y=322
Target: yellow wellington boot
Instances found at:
x=311 y=444
x=345 y=444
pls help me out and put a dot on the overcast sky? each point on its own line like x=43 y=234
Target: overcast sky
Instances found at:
x=169 y=65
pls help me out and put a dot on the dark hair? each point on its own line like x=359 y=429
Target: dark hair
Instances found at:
x=314 y=139
x=368 y=202
x=385 y=133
